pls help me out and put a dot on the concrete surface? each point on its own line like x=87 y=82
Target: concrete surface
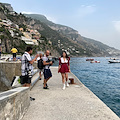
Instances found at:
x=75 y=103
x=14 y=103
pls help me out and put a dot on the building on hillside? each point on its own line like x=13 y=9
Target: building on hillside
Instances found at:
x=35 y=42
x=27 y=35
x=27 y=40
x=50 y=42
x=21 y=29
x=37 y=37
x=12 y=33
x=41 y=41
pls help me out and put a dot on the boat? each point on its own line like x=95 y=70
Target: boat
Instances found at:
x=114 y=58
x=114 y=61
x=95 y=62
x=89 y=59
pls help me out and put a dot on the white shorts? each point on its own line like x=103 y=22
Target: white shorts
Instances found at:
x=41 y=70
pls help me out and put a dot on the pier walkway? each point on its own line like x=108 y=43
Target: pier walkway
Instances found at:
x=76 y=102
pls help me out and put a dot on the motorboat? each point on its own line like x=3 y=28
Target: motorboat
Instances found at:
x=89 y=59
x=95 y=62
x=114 y=61
x=114 y=58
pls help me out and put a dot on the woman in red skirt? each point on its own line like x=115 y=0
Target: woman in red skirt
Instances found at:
x=64 y=68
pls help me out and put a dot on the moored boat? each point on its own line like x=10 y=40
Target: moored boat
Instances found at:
x=114 y=61
x=89 y=59
x=95 y=62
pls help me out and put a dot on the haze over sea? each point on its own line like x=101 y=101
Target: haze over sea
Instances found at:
x=103 y=79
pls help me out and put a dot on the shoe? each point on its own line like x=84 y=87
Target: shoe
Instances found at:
x=67 y=84
x=46 y=85
x=63 y=87
x=45 y=88
x=32 y=99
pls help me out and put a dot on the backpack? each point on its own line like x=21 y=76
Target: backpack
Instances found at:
x=40 y=64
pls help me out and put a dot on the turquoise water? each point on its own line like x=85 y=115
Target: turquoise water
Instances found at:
x=103 y=79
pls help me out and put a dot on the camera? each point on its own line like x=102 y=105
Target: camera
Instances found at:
x=50 y=61
x=53 y=61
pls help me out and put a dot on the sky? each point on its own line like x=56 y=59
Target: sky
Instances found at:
x=96 y=19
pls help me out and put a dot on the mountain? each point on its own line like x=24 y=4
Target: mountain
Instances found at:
x=88 y=46
x=18 y=30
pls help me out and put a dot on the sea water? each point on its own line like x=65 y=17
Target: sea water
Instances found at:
x=103 y=79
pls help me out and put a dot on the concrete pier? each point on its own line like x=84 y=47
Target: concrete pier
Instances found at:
x=76 y=102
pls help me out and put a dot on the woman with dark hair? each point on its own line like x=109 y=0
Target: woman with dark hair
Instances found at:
x=64 y=68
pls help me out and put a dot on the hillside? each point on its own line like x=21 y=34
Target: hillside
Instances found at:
x=88 y=46
x=18 y=31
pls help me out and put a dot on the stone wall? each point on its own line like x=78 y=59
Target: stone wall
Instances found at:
x=14 y=103
x=7 y=71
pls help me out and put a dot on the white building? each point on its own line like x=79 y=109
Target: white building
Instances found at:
x=27 y=40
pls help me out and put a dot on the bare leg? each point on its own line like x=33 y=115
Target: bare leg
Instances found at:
x=28 y=85
x=63 y=80
x=40 y=74
x=45 y=81
x=24 y=85
x=66 y=76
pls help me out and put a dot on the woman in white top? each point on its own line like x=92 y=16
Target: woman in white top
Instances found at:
x=64 y=68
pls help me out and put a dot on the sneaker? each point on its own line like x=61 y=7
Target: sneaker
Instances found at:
x=63 y=87
x=46 y=85
x=67 y=84
x=45 y=88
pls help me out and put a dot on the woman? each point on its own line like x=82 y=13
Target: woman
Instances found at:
x=64 y=68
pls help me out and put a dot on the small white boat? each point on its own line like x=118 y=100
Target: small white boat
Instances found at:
x=95 y=62
x=114 y=61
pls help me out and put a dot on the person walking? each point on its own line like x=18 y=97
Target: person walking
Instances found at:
x=64 y=68
x=40 y=65
x=14 y=51
x=47 y=72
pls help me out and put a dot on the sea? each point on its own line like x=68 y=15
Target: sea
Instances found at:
x=103 y=79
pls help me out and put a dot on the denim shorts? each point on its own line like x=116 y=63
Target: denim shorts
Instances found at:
x=47 y=73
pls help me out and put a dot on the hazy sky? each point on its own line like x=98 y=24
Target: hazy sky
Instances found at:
x=97 y=19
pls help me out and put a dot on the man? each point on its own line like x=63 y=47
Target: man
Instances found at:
x=14 y=51
x=47 y=71
x=27 y=67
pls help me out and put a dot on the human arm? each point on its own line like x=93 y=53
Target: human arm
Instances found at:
x=69 y=64
x=32 y=61
x=45 y=61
